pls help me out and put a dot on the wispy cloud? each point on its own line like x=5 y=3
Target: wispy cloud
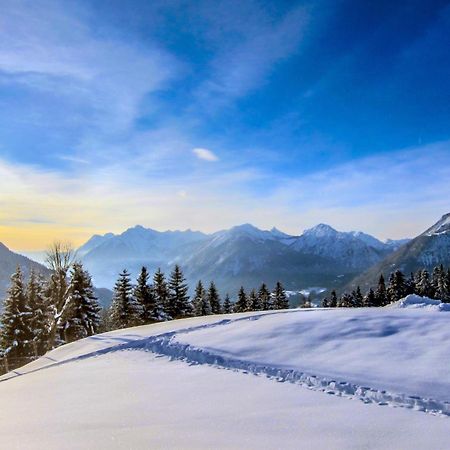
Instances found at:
x=205 y=154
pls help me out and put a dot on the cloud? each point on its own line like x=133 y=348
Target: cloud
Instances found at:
x=205 y=154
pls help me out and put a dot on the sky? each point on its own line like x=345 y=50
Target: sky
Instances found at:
x=180 y=114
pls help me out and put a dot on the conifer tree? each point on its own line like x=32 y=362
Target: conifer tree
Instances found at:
x=253 y=303
x=241 y=303
x=440 y=287
x=178 y=298
x=346 y=301
x=396 y=289
x=264 y=298
x=358 y=298
x=423 y=286
x=80 y=315
x=280 y=300
x=124 y=309
x=227 y=307
x=333 y=299
x=381 y=298
x=41 y=318
x=214 y=299
x=200 y=301
x=17 y=335
x=410 y=285
x=144 y=296
x=369 y=299
x=161 y=293
x=325 y=303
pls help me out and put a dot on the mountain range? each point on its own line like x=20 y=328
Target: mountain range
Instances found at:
x=427 y=250
x=241 y=255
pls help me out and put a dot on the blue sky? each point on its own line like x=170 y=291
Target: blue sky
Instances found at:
x=178 y=114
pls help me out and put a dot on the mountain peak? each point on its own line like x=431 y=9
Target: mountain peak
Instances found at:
x=442 y=226
x=321 y=230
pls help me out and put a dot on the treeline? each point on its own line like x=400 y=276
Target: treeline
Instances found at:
x=167 y=298
x=40 y=314
x=435 y=286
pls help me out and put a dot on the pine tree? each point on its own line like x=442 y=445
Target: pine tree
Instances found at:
x=41 y=318
x=358 y=298
x=17 y=335
x=346 y=301
x=397 y=288
x=161 y=293
x=124 y=309
x=369 y=299
x=80 y=315
x=241 y=303
x=410 y=285
x=280 y=299
x=325 y=303
x=214 y=299
x=264 y=298
x=178 y=301
x=227 y=307
x=441 y=289
x=200 y=301
x=381 y=298
x=143 y=294
x=253 y=303
x=423 y=286
x=333 y=299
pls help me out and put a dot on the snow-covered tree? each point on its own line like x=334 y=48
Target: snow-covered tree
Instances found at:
x=214 y=299
x=397 y=288
x=200 y=301
x=333 y=299
x=241 y=303
x=16 y=333
x=178 y=304
x=227 y=306
x=439 y=283
x=41 y=317
x=253 y=303
x=423 y=284
x=346 y=301
x=358 y=298
x=124 y=308
x=80 y=314
x=264 y=298
x=161 y=293
x=369 y=299
x=280 y=300
x=143 y=294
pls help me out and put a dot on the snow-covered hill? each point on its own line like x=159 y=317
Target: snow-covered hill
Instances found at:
x=241 y=255
x=160 y=386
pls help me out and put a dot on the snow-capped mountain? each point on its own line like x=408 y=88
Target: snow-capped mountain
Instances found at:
x=427 y=250
x=241 y=255
x=9 y=261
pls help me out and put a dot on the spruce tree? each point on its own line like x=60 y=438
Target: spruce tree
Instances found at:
x=41 y=318
x=178 y=298
x=143 y=294
x=280 y=299
x=124 y=310
x=80 y=315
x=397 y=287
x=17 y=335
x=241 y=303
x=381 y=298
x=369 y=299
x=346 y=301
x=214 y=299
x=358 y=298
x=200 y=301
x=253 y=303
x=161 y=293
x=325 y=303
x=264 y=298
x=333 y=299
x=227 y=307
x=441 y=289
x=423 y=286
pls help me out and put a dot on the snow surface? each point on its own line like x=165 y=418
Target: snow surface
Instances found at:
x=160 y=386
x=418 y=302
